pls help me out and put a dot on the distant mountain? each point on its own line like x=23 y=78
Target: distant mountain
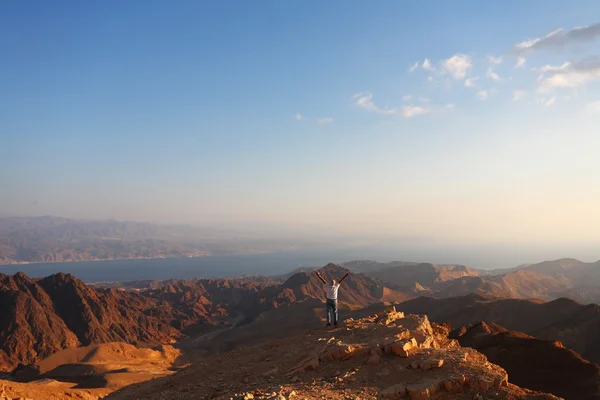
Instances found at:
x=367 y=266
x=52 y=239
x=565 y=320
x=532 y=363
x=549 y=280
x=420 y=277
x=358 y=290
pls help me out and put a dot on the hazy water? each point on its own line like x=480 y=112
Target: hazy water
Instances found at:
x=485 y=257
x=176 y=268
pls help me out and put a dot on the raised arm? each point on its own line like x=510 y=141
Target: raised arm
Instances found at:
x=345 y=276
x=320 y=277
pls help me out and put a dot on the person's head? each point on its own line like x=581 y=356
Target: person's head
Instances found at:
x=332 y=282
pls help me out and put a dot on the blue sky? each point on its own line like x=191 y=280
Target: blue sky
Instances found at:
x=459 y=121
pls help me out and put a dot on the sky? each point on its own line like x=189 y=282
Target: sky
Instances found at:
x=459 y=122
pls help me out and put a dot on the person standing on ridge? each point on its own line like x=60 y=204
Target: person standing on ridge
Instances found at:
x=332 y=295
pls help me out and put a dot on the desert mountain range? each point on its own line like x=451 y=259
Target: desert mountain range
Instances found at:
x=504 y=316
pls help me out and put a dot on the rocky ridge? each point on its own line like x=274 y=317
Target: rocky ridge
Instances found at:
x=388 y=354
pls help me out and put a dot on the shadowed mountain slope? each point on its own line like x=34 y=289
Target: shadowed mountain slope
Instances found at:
x=533 y=363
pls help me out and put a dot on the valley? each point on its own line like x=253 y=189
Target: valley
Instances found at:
x=53 y=325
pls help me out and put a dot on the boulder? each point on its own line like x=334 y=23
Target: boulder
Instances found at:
x=423 y=390
x=403 y=347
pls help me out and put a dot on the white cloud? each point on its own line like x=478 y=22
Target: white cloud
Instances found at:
x=518 y=94
x=325 y=120
x=492 y=75
x=299 y=117
x=470 y=82
x=520 y=62
x=571 y=75
x=550 y=68
x=407 y=97
x=495 y=60
x=458 y=66
x=424 y=99
x=549 y=102
x=593 y=107
x=427 y=65
x=365 y=100
x=558 y=38
x=411 y=111
x=414 y=67
x=482 y=95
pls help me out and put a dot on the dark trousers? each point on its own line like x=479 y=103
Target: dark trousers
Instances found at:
x=332 y=309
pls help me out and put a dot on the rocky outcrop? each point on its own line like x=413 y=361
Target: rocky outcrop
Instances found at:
x=385 y=355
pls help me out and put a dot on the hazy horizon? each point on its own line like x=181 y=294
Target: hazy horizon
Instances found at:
x=395 y=125
x=311 y=244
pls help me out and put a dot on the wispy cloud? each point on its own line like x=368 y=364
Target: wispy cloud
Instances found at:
x=495 y=60
x=593 y=107
x=458 y=66
x=551 y=68
x=365 y=101
x=407 y=97
x=549 y=101
x=414 y=67
x=492 y=75
x=424 y=99
x=411 y=111
x=559 y=38
x=324 y=120
x=427 y=65
x=518 y=94
x=570 y=75
x=299 y=117
x=470 y=82
x=482 y=95
x=520 y=62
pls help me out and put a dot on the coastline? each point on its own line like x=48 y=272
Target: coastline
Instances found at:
x=21 y=263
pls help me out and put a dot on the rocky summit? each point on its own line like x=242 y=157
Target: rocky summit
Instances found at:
x=385 y=355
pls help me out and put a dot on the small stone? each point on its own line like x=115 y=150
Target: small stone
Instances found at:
x=431 y=363
x=485 y=383
x=373 y=360
x=394 y=392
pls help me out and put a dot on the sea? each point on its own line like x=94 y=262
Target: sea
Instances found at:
x=218 y=266
x=280 y=263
